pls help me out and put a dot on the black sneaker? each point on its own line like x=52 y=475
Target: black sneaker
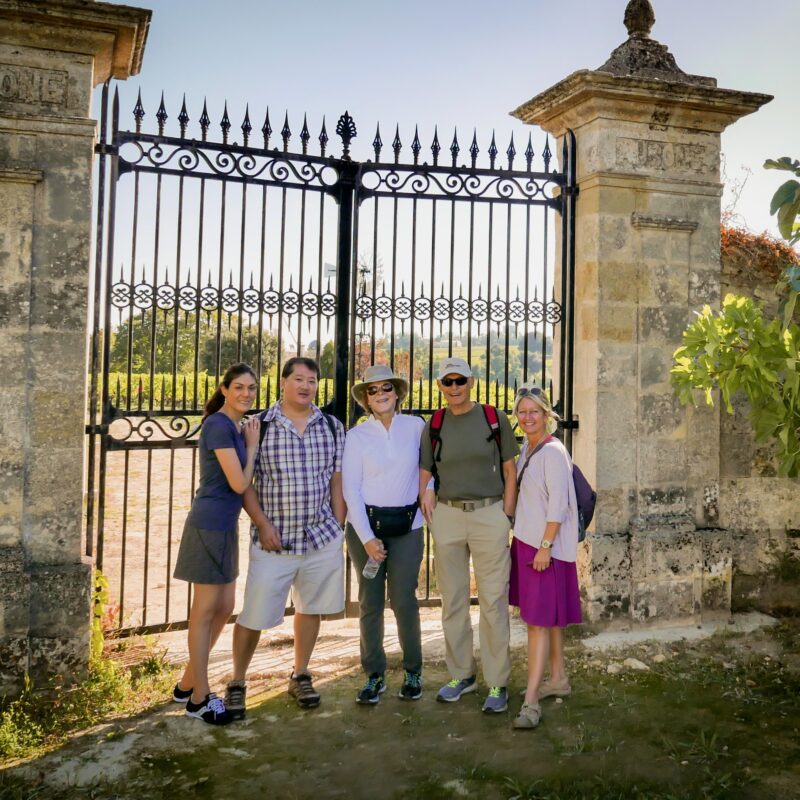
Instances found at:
x=412 y=686
x=235 y=697
x=301 y=688
x=373 y=689
x=180 y=695
x=210 y=710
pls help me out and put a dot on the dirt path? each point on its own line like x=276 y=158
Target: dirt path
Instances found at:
x=671 y=719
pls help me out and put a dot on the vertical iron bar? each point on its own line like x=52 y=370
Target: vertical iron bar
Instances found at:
x=168 y=576
x=281 y=255
x=261 y=267
x=106 y=405
x=242 y=239
x=147 y=507
x=99 y=302
x=300 y=279
x=154 y=315
x=220 y=278
x=452 y=274
x=508 y=300
x=123 y=559
x=177 y=309
x=319 y=273
x=470 y=278
x=412 y=320
x=526 y=332
x=489 y=306
x=432 y=291
x=393 y=283
x=198 y=289
x=374 y=320
x=572 y=185
x=344 y=278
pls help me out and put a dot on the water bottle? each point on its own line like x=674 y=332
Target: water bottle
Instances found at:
x=371 y=569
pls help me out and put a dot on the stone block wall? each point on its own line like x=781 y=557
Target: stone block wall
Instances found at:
x=760 y=509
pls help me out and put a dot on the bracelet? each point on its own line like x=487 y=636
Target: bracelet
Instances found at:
x=511 y=518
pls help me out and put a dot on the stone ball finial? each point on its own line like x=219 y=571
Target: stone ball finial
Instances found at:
x=639 y=18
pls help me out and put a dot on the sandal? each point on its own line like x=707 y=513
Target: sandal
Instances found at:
x=528 y=717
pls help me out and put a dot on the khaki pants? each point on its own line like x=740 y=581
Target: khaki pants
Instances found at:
x=484 y=535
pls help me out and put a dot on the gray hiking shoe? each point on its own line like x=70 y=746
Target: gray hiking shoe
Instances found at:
x=235 y=697
x=497 y=701
x=453 y=690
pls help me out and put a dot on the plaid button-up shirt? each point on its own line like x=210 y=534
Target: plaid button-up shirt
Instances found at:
x=293 y=476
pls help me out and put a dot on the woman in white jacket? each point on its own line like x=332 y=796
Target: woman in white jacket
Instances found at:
x=380 y=478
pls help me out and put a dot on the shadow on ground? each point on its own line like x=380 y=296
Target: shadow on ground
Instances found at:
x=691 y=719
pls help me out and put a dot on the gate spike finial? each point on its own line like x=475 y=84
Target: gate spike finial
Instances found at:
x=415 y=145
x=266 y=130
x=304 y=134
x=377 y=143
x=529 y=153
x=346 y=130
x=225 y=124
x=205 y=121
x=286 y=132
x=454 y=148
x=323 y=138
x=397 y=145
x=436 y=148
x=546 y=154
x=473 y=148
x=161 y=116
x=138 y=112
x=492 y=152
x=246 y=126
x=511 y=152
x=183 y=117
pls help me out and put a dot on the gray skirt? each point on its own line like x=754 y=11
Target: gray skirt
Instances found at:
x=207 y=556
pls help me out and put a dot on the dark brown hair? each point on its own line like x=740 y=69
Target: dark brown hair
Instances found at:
x=217 y=400
x=299 y=361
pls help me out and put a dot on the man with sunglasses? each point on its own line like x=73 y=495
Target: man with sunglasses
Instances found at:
x=470 y=514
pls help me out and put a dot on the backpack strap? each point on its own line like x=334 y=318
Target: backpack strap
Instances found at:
x=437 y=420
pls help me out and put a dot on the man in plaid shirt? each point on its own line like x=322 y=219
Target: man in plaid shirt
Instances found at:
x=298 y=512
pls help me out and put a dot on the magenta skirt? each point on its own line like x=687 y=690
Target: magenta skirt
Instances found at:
x=548 y=599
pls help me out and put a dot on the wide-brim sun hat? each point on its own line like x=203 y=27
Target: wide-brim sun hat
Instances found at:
x=379 y=373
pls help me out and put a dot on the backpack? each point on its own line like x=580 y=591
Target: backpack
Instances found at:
x=437 y=421
x=585 y=496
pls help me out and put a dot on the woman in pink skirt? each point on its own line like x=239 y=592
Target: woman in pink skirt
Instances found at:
x=544 y=579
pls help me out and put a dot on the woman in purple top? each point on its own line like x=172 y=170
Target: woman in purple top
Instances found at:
x=209 y=555
x=544 y=579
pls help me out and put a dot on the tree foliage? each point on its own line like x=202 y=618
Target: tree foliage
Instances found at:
x=739 y=349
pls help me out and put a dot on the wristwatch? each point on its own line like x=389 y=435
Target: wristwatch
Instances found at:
x=546 y=544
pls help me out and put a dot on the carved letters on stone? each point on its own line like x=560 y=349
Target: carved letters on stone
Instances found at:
x=638 y=154
x=33 y=85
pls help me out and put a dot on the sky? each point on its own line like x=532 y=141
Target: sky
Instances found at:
x=462 y=64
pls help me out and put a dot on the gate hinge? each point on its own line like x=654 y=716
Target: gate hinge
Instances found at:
x=98 y=429
x=103 y=149
x=569 y=424
x=571 y=191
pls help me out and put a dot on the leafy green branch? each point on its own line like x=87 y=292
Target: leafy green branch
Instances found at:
x=738 y=349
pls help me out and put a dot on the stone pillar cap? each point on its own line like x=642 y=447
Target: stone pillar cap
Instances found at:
x=587 y=94
x=114 y=35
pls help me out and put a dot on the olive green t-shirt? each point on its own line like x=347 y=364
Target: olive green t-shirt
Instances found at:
x=471 y=468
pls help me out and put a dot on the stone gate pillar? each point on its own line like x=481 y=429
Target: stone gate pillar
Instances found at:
x=648 y=227
x=52 y=53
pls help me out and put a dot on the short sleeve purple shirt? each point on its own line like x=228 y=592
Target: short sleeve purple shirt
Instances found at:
x=216 y=507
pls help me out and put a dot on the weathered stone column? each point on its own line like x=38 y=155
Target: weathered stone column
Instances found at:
x=52 y=52
x=648 y=217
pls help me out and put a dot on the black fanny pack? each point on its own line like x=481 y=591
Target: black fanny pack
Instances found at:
x=391 y=520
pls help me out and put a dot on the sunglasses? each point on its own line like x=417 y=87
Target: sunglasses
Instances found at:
x=384 y=387
x=525 y=392
x=460 y=381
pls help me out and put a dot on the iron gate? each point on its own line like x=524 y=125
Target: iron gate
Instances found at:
x=211 y=252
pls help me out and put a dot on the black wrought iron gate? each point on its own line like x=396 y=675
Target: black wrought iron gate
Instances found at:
x=211 y=251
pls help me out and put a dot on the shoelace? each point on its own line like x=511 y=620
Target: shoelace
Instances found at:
x=412 y=679
x=372 y=683
x=216 y=705
x=453 y=683
x=495 y=691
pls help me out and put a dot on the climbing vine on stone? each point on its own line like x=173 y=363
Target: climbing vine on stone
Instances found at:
x=739 y=349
